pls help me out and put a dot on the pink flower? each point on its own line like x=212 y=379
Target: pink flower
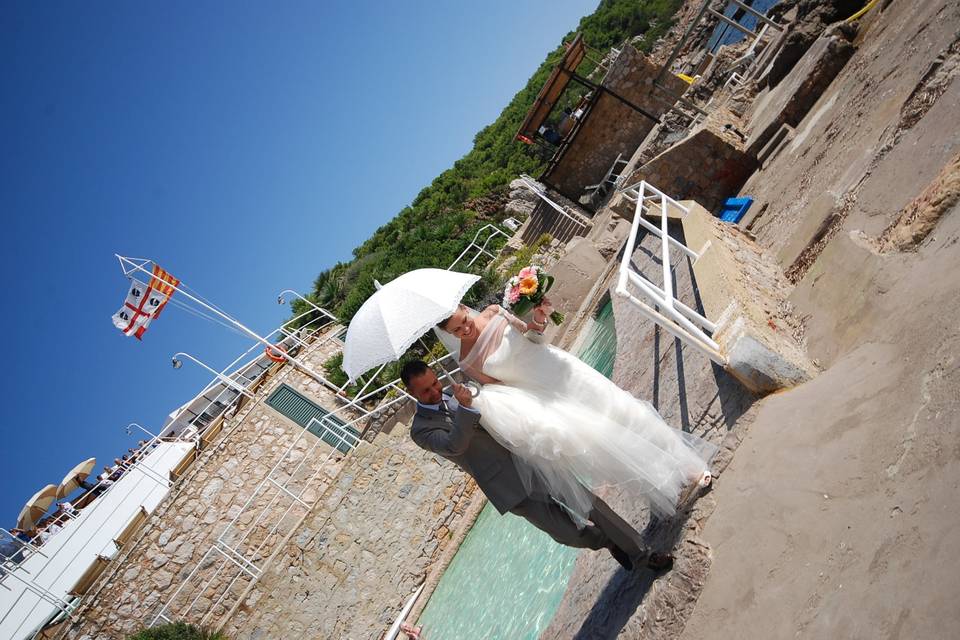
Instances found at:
x=526 y=272
x=514 y=295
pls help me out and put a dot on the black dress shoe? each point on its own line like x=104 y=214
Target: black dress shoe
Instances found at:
x=621 y=556
x=660 y=561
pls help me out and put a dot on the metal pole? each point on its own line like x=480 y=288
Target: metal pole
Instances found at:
x=600 y=87
x=316 y=308
x=683 y=41
x=134 y=424
x=313 y=374
x=732 y=23
x=665 y=255
x=651 y=292
x=631 y=242
x=759 y=16
x=672 y=328
x=656 y=292
x=222 y=378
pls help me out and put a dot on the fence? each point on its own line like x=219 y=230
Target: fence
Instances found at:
x=658 y=303
x=492 y=232
x=551 y=217
x=260 y=527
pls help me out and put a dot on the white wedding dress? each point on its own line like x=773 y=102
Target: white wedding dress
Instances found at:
x=577 y=430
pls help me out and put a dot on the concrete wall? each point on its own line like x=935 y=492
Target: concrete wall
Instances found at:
x=612 y=127
x=706 y=166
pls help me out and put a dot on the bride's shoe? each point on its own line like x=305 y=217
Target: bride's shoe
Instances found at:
x=701 y=483
x=705 y=479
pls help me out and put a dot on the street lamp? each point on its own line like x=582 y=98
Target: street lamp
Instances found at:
x=137 y=461
x=129 y=430
x=282 y=300
x=177 y=363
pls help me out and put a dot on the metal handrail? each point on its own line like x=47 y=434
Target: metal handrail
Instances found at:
x=659 y=303
x=481 y=249
x=531 y=184
x=230 y=549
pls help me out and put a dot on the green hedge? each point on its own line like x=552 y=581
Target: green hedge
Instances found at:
x=176 y=631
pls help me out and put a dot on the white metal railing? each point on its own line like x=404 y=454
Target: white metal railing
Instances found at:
x=235 y=549
x=493 y=231
x=12 y=564
x=249 y=372
x=659 y=303
x=538 y=191
x=245 y=374
x=42 y=579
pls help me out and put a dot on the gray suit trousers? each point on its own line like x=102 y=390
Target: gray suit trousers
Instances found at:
x=607 y=527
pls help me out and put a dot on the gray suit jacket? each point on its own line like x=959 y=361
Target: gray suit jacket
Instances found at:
x=458 y=437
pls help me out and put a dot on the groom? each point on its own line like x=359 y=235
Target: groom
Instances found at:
x=449 y=426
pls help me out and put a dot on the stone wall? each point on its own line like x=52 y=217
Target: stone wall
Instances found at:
x=341 y=565
x=216 y=489
x=363 y=549
x=612 y=127
x=707 y=166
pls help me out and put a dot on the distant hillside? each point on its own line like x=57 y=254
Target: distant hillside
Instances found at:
x=442 y=219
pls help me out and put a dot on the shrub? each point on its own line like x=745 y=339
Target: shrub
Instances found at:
x=176 y=631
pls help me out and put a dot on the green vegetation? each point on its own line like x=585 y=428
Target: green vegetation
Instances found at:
x=443 y=218
x=176 y=631
x=522 y=257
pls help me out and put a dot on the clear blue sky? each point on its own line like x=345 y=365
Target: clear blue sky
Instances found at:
x=244 y=146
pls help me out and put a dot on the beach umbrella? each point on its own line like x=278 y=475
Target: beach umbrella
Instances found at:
x=36 y=507
x=71 y=481
x=400 y=312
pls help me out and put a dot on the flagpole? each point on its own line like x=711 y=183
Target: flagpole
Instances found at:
x=270 y=346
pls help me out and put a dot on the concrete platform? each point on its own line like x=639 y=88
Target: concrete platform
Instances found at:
x=790 y=101
x=744 y=292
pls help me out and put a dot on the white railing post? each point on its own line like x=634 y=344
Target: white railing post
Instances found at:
x=665 y=251
x=675 y=317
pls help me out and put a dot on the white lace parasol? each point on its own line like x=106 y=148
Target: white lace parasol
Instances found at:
x=400 y=312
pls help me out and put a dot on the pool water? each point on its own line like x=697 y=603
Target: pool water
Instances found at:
x=508 y=577
x=600 y=344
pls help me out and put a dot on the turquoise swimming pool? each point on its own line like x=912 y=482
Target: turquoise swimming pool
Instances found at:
x=508 y=577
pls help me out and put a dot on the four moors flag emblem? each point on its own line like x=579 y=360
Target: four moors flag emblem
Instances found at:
x=144 y=303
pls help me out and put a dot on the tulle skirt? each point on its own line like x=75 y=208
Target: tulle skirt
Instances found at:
x=580 y=441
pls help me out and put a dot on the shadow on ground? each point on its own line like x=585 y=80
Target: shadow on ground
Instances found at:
x=625 y=590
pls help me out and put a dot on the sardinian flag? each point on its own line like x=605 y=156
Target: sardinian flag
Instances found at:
x=163 y=283
x=142 y=305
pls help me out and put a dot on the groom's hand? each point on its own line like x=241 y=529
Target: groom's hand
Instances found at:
x=463 y=396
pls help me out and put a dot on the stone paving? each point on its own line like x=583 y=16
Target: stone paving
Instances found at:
x=691 y=393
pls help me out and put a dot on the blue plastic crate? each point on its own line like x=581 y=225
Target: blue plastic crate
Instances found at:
x=733 y=209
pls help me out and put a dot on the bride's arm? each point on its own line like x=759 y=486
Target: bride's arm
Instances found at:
x=531 y=330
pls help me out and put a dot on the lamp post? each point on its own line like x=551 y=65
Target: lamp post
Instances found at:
x=129 y=429
x=137 y=459
x=177 y=363
x=281 y=300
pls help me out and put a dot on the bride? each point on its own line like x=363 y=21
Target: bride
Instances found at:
x=577 y=430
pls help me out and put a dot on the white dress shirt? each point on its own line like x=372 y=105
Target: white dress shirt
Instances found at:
x=451 y=403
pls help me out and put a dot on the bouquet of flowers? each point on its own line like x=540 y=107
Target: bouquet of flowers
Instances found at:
x=526 y=290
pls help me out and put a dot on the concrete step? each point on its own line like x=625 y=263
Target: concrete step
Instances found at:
x=744 y=292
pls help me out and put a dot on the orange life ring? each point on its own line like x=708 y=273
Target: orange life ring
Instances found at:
x=270 y=351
